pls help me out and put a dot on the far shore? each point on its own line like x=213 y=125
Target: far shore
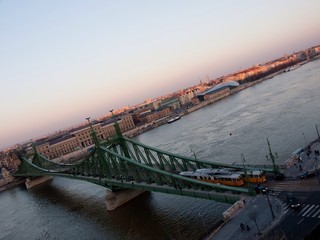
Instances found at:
x=149 y=126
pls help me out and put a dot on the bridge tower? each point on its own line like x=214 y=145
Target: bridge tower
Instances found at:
x=115 y=198
x=272 y=157
x=119 y=136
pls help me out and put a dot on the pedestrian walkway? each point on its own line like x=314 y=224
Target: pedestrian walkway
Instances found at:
x=256 y=217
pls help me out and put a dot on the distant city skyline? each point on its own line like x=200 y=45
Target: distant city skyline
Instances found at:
x=64 y=61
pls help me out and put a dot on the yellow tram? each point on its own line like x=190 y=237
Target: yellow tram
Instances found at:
x=229 y=179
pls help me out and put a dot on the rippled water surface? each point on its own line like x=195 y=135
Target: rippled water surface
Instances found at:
x=282 y=109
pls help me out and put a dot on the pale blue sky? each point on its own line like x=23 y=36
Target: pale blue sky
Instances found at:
x=62 y=61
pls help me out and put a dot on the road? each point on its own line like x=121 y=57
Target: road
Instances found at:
x=297 y=224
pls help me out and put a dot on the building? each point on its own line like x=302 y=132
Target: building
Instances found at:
x=5 y=177
x=217 y=91
x=126 y=123
x=173 y=103
x=152 y=116
x=9 y=160
x=81 y=139
x=186 y=97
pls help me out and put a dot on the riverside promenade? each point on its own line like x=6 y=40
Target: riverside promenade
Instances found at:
x=257 y=213
x=256 y=216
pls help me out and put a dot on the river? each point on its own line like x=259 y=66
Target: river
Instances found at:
x=284 y=109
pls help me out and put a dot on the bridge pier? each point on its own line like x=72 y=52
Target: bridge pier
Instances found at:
x=115 y=199
x=36 y=181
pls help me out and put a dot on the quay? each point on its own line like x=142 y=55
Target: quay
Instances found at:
x=12 y=184
x=255 y=212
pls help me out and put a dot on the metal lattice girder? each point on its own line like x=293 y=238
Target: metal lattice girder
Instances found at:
x=166 y=177
x=174 y=162
x=27 y=168
x=42 y=162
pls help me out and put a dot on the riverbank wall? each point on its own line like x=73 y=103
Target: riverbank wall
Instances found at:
x=12 y=184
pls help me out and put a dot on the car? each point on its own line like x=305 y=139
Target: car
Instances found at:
x=293 y=201
x=279 y=177
x=260 y=189
x=308 y=174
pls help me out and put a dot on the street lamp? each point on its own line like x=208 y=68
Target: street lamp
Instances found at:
x=270 y=205
x=116 y=124
x=318 y=132
x=317 y=172
x=305 y=139
x=194 y=154
x=111 y=111
x=93 y=133
x=244 y=167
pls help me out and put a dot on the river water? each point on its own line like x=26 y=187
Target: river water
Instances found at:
x=284 y=109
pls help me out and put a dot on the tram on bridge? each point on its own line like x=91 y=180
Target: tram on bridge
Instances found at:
x=226 y=176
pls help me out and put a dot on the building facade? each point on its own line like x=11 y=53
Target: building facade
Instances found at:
x=81 y=139
x=156 y=115
x=9 y=160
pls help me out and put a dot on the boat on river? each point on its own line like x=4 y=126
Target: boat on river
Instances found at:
x=171 y=120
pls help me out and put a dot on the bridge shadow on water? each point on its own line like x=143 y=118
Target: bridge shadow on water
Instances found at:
x=149 y=216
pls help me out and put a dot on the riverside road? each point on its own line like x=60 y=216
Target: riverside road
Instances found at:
x=273 y=217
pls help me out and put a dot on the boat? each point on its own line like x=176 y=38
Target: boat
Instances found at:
x=171 y=120
x=293 y=67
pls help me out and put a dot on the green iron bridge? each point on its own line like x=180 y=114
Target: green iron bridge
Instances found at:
x=121 y=163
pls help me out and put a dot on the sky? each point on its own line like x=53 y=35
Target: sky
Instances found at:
x=62 y=61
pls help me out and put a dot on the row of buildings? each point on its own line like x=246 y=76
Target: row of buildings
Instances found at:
x=9 y=162
x=79 y=139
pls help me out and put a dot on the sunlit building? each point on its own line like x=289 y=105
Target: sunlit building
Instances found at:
x=9 y=160
x=81 y=139
x=186 y=97
x=217 y=92
x=155 y=115
x=173 y=103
